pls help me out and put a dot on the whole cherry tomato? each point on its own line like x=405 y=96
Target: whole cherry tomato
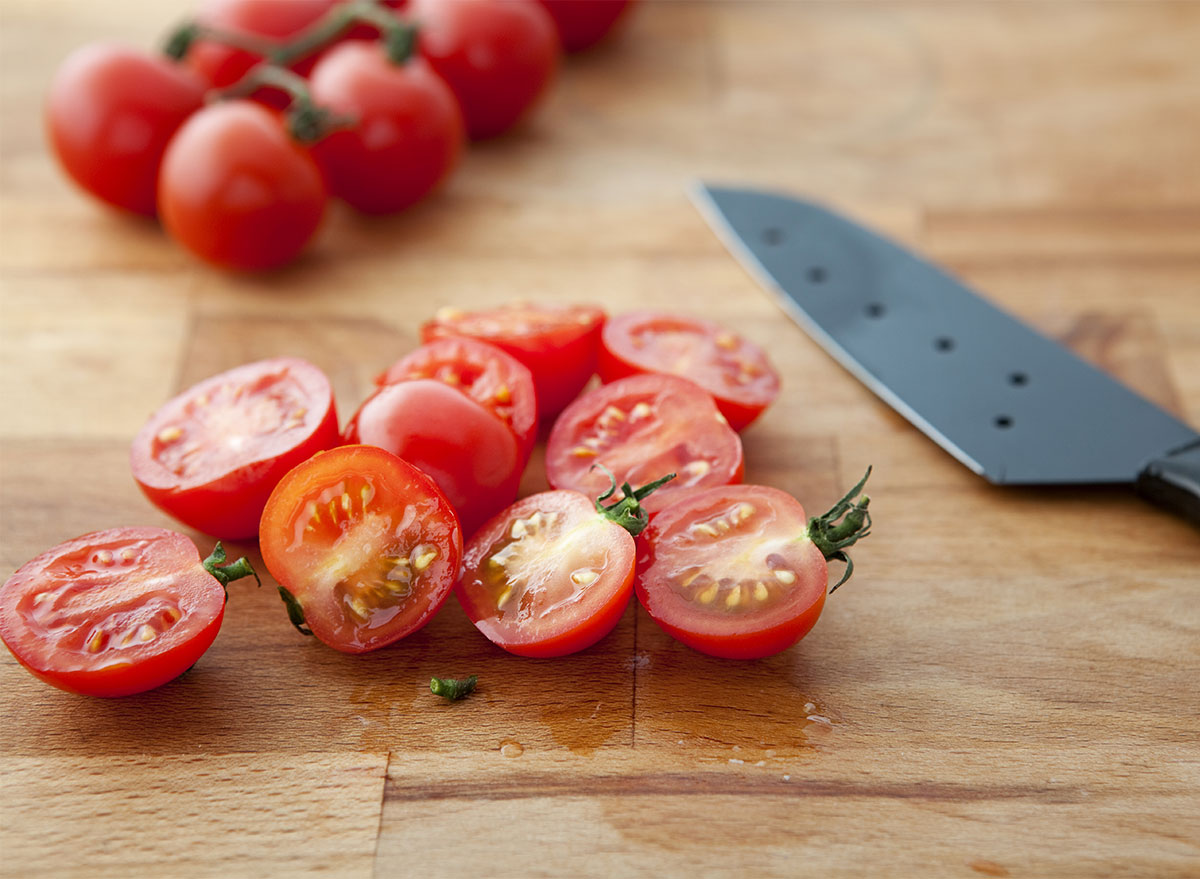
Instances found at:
x=497 y=55
x=408 y=132
x=237 y=190
x=109 y=116
x=583 y=23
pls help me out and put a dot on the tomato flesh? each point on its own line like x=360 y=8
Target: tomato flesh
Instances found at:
x=730 y=571
x=642 y=428
x=113 y=612
x=583 y=23
x=365 y=543
x=736 y=372
x=211 y=456
x=548 y=576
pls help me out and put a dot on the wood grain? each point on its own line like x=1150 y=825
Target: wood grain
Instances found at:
x=1007 y=687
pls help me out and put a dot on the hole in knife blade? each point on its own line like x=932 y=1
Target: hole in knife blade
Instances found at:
x=1018 y=379
x=817 y=275
x=1003 y=421
x=772 y=236
x=943 y=343
x=875 y=309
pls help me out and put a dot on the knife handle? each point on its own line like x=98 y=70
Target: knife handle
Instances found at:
x=1173 y=481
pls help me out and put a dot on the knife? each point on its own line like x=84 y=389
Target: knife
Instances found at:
x=1009 y=403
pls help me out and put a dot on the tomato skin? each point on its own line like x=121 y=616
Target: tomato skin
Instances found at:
x=682 y=540
x=470 y=453
x=498 y=56
x=583 y=23
x=110 y=112
x=237 y=191
x=89 y=597
x=347 y=517
x=558 y=343
x=408 y=137
x=573 y=623
x=735 y=371
x=226 y=497
x=679 y=432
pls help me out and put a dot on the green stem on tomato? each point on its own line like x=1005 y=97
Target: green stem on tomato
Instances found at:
x=832 y=536
x=294 y=611
x=226 y=572
x=307 y=121
x=453 y=688
x=628 y=511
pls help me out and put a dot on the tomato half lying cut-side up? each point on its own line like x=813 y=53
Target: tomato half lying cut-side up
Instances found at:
x=116 y=612
x=364 y=546
x=736 y=372
x=558 y=343
x=210 y=456
x=553 y=573
x=739 y=572
x=640 y=427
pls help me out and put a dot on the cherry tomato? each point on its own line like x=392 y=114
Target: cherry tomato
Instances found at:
x=739 y=571
x=552 y=574
x=364 y=546
x=558 y=343
x=109 y=115
x=237 y=191
x=115 y=612
x=484 y=373
x=583 y=23
x=497 y=55
x=736 y=372
x=639 y=428
x=211 y=456
x=470 y=453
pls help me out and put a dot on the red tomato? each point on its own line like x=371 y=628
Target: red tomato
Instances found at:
x=109 y=115
x=237 y=191
x=210 y=456
x=549 y=576
x=736 y=372
x=470 y=453
x=640 y=428
x=114 y=612
x=583 y=23
x=364 y=546
x=558 y=343
x=484 y=373
x=409 y=132
x=739 y=571
x=497 y=55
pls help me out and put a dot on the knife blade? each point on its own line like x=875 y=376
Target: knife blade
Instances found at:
x=1011 y=404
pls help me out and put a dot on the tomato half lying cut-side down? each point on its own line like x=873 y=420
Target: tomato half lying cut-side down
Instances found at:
x=639 y=428
x=210 y=456
x=553 y=573
x=739 y=572
x=364 y=546
x=736 y=372
x=558 y=343
x=116 y=612
x=484 y=373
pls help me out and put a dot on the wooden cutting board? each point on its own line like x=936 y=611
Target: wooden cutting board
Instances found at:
x=1007 y=687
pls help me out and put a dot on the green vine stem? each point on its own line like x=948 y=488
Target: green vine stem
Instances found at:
x=832 y=537
x=225 y=571
x=628 y=512
x=453 y=688
x=307 y=121
x=294 y=611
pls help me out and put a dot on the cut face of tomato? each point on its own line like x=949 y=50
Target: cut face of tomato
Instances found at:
x=484 y=373
x=113 y=612
x=210 y=456
x=731 y=571
x=640 y=428
x=548 y=576
x=558 y=343
x=364 y=543
x=736 y=372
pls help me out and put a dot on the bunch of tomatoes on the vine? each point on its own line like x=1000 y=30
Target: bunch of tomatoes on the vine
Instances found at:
x=369 y=527
x=259 y=111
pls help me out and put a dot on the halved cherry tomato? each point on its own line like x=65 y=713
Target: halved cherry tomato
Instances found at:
x=558 y=343
x=553 y=573
x=484 y=373
x=109 y=115
x=237 y=190
x=739 y=571
x=641 y=427
x=115 y=612
x=364 y=546
x=736 y=372
x=470 y=453
x=583 y=23
x=211 y=456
